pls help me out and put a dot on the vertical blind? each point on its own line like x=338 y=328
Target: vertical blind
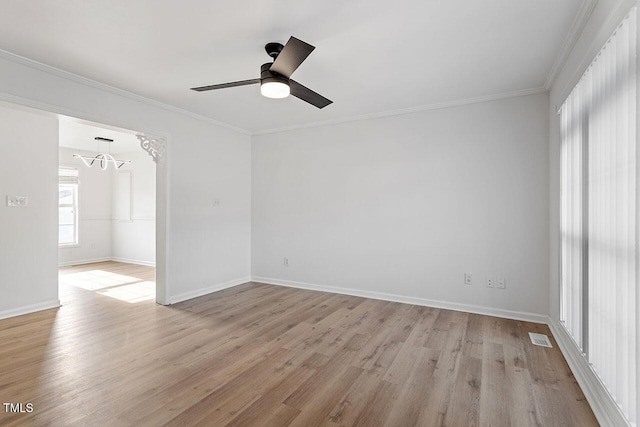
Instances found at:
x=599 y=281
x=571 y=196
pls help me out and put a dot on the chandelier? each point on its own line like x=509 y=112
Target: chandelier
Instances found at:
x=102 y=159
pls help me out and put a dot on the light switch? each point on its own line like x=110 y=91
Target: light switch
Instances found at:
x=17 y=201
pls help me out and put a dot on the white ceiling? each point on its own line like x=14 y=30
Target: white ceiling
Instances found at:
x=371 y=56
x=80 y=135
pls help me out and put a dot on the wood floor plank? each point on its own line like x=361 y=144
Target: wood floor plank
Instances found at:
x=319 y=395
x=494 y=401
x=356 y=400
x=274 y=397
x=376 y=412
x=464 y=406
x=410 y=404
x=263 y=355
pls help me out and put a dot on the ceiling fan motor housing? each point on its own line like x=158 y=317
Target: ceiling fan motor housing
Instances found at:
x=266 y=75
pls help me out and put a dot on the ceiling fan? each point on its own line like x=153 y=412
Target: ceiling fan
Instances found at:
x=275 y=77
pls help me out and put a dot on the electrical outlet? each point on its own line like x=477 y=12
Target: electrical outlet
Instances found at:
x=502 y=283
x=468 y=279
x=286 y=262
x=490 y=282
x=216 y=203
x=17 y=201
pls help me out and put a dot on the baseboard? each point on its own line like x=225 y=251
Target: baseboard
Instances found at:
x=604 y=407
x=83 y=261
x=29 y=309
x=104 y=259
x=209 y=289
x=468 y=308
x=134 y=261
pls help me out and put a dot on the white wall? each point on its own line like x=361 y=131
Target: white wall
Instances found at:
x=94 y=212
x=28 y=235
x=405 y=205
x=134 y=239
x=206 y=247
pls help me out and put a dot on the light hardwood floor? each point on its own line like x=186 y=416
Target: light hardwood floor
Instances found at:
x=265 y=355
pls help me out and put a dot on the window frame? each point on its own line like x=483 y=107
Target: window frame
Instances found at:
x=74 y=206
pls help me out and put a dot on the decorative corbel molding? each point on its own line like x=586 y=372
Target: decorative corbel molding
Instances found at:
x=156 y=147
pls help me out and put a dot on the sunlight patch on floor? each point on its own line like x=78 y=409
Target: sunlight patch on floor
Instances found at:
x=95 y=279
x=136 y=292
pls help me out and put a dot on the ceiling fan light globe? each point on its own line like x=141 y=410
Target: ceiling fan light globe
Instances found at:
x=275 y=90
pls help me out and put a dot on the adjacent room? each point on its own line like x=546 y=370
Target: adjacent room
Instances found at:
x=288 y=213
x=106 y=217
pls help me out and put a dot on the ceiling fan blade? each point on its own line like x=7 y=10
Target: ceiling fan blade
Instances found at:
x=308 y=95
x=224 y=85
x=292 y=55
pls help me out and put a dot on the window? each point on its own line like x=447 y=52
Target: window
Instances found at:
x=67 y=206
x=599 y=222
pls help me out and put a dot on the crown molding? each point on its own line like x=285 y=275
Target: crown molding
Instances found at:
x=606 y=28
x=580 y=21
x=148 y=101
x=410 y=110
x=114 y=90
